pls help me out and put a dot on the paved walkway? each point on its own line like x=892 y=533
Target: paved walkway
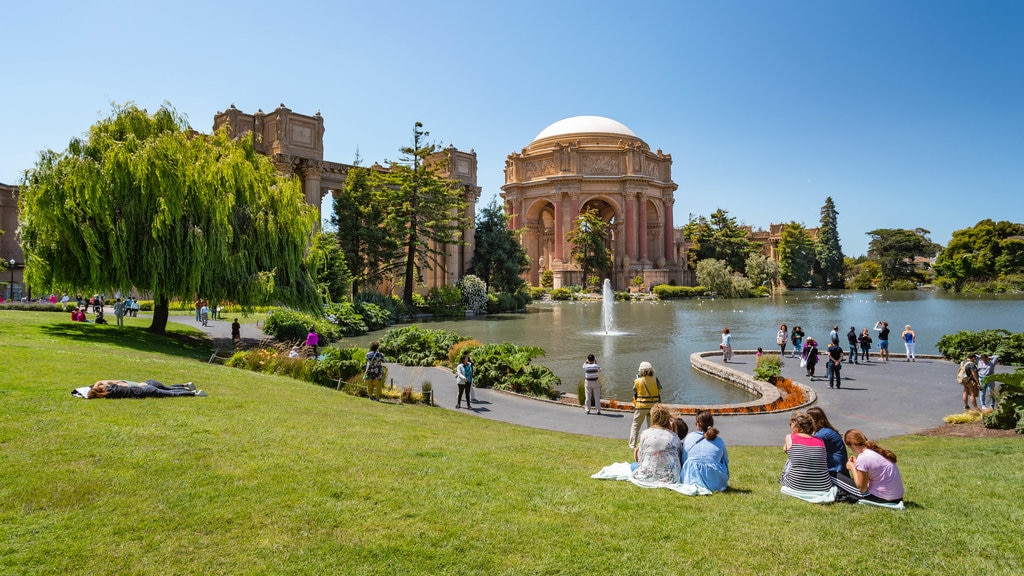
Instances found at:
x=880 y=399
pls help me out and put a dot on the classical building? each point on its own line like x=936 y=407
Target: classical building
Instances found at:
x=295 y=143
x=11 y=278
x=592 y=162
x=769 y=239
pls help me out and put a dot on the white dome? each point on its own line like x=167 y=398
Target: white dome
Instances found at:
x=585 y=124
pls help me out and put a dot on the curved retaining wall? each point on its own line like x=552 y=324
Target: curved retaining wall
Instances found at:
x=768 y=393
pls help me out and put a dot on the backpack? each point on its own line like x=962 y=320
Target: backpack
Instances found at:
x=374 y=366
x=962 y=376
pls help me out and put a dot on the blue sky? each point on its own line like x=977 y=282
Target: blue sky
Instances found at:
x=908 y=114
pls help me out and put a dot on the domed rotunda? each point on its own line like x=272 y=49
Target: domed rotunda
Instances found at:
x=594 y=163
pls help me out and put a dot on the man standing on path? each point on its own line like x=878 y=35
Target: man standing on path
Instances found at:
x=591 y=384
x=883 y=341
x=851 y=337
x=646 y=393
x=119 y=312
x=835 y=363
x=834 y=334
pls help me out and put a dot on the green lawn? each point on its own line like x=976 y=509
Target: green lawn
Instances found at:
x=273 y=476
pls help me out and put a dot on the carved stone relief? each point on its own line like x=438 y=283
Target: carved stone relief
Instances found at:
x=601 y=164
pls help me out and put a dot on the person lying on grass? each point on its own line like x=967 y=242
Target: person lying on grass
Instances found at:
x=114 y=389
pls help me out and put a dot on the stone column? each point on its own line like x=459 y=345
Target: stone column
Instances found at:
x=643 y=226
x=559 y=229
x=311 y=171
x=669 y=230
x=630 y=197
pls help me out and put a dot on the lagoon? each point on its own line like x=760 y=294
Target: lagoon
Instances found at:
x=665 y=333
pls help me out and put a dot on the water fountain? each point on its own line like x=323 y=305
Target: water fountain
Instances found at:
x=608 y=307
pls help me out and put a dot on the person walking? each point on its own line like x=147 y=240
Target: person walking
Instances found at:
x=198 y=305
x=726 y=345
x=204 y=314
x=462 y=380
x=851 y=338
x=782 y=338
x=119 y=312
x=797 y=338
x=373 y=374
x=646 y=393
x=313 y=341
x=811 y=354
x=835 y=363
x=591 y=384
x=910 y=341
x=967 y=375
x=236 y=332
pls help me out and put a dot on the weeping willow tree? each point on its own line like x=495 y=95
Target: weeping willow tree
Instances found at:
x=143 y=202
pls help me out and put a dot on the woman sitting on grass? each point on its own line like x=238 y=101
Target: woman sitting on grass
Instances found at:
x=873 y=472
x=705 y=460
x=115 y=389
x=835 y=449
x=657 y=453
x=805 y=474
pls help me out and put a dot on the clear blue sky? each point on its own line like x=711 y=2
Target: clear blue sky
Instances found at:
x=909 y=114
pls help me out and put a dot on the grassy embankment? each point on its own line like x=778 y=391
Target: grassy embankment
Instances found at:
x=274 y=476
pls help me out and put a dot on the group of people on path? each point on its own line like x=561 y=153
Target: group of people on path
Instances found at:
x=971 y=374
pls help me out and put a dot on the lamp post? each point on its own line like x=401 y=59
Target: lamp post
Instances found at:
x=10 y=288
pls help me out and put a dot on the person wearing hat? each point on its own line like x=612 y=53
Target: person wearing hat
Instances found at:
x=646 y=393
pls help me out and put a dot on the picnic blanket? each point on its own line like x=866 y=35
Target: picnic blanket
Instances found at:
x=82 y=392
x=890 y=505
x=621 y=471
x=812 y=497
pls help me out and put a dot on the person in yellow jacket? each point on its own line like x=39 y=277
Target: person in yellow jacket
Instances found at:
x=646 y=393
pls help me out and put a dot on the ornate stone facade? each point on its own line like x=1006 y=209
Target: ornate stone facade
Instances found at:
x=295 y=144
x=591 y=162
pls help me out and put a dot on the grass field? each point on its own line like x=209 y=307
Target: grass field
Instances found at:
x=273 y=476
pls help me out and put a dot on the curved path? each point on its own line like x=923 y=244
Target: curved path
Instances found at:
x=880 y=399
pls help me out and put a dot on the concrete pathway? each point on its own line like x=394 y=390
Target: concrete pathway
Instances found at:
x=880 y=399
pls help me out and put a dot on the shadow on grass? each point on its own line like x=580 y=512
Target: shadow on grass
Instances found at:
x=173 y=343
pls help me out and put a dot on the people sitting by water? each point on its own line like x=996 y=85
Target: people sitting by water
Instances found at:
x=705 y=460
x=658 y=452
x=646 y=393
x=805 y=474
x=835 y=449
x=116 y=389
x=871 y=473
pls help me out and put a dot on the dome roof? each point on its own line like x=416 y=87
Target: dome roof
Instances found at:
x=585 y=124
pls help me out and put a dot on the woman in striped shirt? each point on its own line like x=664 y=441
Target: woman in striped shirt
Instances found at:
x=805 y=474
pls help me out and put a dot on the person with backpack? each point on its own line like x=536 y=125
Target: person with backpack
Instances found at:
x=463 y=374
x=967 y=376
x=374 y=373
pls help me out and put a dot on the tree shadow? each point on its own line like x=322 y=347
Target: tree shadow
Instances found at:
x=173 y=343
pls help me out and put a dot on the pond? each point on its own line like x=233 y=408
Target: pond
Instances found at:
x=665 y=333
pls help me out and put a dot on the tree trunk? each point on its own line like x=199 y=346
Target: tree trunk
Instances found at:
x=410 y=270
x=161 y=310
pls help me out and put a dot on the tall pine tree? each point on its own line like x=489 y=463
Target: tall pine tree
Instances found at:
x=499 y=259
x=827 y=248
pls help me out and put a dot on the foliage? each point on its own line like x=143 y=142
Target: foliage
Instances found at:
x=292 y=326
x=865 y=274
x=31 y=306
x=368 y=245
x=1009 y=412
x=143 y=202
x=638 y=281
x=589 y=238
x=347 y=318
x=762 y=270
x=537 y=292
x=719 y=238
x=326 y=262
x=716 y=275
x=827 y=249
x=446 y=301
x=374 y=316
x=547 y=279
x=561 y=294
x=272 y=360
x=424 y=209
x=391 y=305
x=1008 y=346
x=455 y=353
x=666 y=291
x=796 y=255
x=415 y=346
x=985 y=251
x=499 y=259
x=895 y=250
x=769 y=367
x=505 y=302
x=474 y=293
x=507 y=367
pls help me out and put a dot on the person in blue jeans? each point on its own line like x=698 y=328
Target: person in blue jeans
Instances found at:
x=851 y=337
x=835 y=363
x=116 y=389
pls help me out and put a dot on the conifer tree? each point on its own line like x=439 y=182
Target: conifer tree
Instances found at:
x=828 y=249
x=499 y=259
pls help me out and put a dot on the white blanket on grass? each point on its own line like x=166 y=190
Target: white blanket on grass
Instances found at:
x=891 y=505
x=812 y=497
x=621 y=471
x=82 y=392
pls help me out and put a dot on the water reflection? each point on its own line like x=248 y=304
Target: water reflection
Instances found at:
x=666 y=333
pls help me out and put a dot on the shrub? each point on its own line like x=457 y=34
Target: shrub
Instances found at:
x=33 y=306
x=347 y=318
x=667 y=291
x=1008 y=346
x=474 y=294
x=290 y=325
x=561 y=294
x=538 y=292
x=445 y=301
x=1009 y=412
x=415 y=346
x=507 y=367
x=455 y=354
x=547 y=279
x=768 y=368
x=502 y=302
x=338 y=363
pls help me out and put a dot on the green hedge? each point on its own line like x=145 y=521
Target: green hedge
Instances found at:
x=666 y=291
